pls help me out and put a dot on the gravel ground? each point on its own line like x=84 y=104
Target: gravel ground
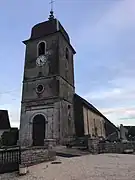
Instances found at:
x=88 y=167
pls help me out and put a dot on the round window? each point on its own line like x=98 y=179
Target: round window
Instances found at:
x=40 y=88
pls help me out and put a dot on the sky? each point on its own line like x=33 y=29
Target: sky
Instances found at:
x=103 y=35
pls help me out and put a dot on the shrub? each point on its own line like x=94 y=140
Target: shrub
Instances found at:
x=10 y=138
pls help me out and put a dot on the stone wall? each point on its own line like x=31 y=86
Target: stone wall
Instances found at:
x=109 y=147
x=93 y=123
x=118 y=147
x=35 y=155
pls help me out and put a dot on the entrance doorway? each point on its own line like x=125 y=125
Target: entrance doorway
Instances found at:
x=38 y=130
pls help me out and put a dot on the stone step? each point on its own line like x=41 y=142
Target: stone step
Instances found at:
x=69 y=152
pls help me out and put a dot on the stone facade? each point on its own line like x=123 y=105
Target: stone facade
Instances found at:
x=93 y=123
x=57 y=77
x=89 y=121
x=36 y=155
x=51 y=114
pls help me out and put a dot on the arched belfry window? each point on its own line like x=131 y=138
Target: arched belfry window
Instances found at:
x=67 y=53
x=41 y=48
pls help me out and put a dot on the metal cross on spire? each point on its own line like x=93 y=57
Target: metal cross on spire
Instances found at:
x=51 y=12
x=51 y=4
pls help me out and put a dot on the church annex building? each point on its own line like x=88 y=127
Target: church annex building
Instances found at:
x=50 y=108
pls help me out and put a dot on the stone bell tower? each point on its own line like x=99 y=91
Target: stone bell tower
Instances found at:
x=48 y=85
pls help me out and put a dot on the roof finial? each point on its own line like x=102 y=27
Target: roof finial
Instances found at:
x=51 y=16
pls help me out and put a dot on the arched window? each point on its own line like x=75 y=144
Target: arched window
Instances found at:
x=67 y=53
x=41 y=48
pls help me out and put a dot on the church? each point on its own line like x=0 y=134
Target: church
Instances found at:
x=50 y=108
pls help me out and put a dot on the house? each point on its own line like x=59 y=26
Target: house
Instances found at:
x=4 y=121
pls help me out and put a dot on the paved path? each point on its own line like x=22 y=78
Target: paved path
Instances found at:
x=88 y=167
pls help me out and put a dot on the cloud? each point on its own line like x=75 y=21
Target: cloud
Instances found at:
x=105 y=61
x=112 y=41
x=103 y=94
x=121 y=113
x=112 y=94
x=130 y=110
x=112 y=24
x=11 y=101
x=117 y=103
x=121 y=116
x=108 y=47
x=119 y=88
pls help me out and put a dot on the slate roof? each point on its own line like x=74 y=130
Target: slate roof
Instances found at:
x=49 y=27
x=4 y=120
x=93 y=109
x=46 y=28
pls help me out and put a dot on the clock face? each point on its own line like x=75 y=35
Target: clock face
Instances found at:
x=41 y=60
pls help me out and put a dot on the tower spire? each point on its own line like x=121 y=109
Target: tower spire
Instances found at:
x=51 y=16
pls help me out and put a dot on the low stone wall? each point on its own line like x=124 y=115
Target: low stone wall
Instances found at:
x=118 y=147
x=96 y=147
x=35 y=155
